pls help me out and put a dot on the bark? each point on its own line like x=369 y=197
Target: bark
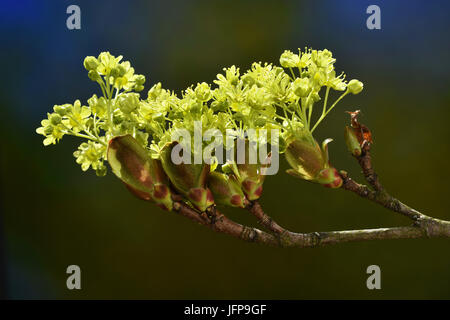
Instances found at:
x=220 y=223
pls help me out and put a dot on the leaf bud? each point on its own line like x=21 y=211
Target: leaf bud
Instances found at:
x=351 y=140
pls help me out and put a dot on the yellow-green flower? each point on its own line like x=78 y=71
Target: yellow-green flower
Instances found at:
x=203 y=92
x=98 y=106
x=289 y=59
x=90 y=154
x=264 y=97
x=78 y=116
x=52 y=132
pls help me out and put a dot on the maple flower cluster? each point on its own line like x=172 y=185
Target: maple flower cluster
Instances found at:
x=133 y=133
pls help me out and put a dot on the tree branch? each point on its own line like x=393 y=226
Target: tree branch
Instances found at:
x=254 y=207
x=423 y=226
x=431 y=226
x=220 y=223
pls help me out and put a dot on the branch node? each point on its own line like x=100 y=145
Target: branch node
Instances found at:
x=316 y=238
x=248 y=234
x=176 y=206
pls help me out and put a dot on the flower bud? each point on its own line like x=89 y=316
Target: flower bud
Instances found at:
x=139 y=83
x=309 y=161
x=159 y=117
x=248 y=80
x=90 y=63
x=155 y=91
x=324 y=58
x=98 y=106
x=250 y=176
x=330 y=178
x=226 y=189
x=305 y=157
x=195 y=107
x=320 y=78
x=203 y=91
x=355 y=86
x=55 y=119
x=253 y=187
x=101 y=170
x=218 y=106
x=289 y=59
x=201 y=198
x=301 y=87
x=315 y=96
x=188 y=178
x=115 y=72
x=128 y=103
x=138 y=88
x=120 y=69
x=351 y=140
x=48 y=130
x=142 y=175
x=93 y=75
x=139 y=79
x=62 y=110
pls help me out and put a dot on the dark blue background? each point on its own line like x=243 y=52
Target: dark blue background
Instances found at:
x=53 y=215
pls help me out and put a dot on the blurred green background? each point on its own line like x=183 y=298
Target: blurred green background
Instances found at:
x=54 y=215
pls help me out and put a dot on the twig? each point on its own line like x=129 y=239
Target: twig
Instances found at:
x=220 y=223
x=255 y=208
x=432 y=226
x=423 y=227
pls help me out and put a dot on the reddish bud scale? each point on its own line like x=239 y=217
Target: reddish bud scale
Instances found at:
x=252 y=189
x=361 y=131
x=336 y=181
x=188 y=179
x=138 y=193
x=237 y=200
x=201 y=198
x=226 y=189
x=310 y=162
x=250 y=176
x=142 y=175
